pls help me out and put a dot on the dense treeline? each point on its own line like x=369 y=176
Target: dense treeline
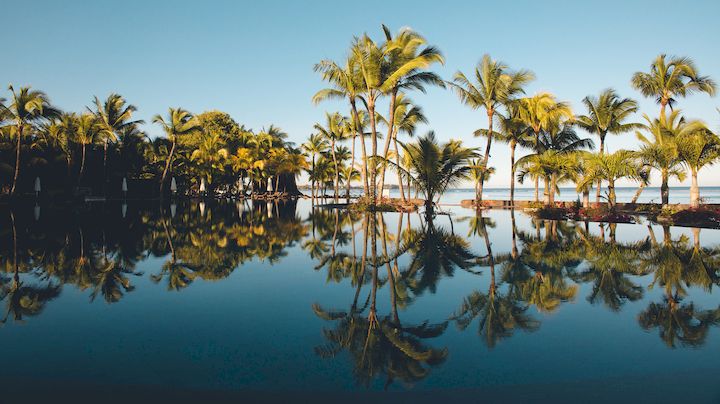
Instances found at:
x=96 y=150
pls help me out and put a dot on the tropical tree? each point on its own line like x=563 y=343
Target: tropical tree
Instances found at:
x=436 y=167
x=88 y=130
x=27 y=109
x=333 y=132
x=115 y=116
x=697 y=147
x=179 y=122
x=314 y=146
x=670 y=79
x=607 y=114
x=495 y=85
x=540 y=112
x=660 y=151
x=610 y=167
x=210 y=156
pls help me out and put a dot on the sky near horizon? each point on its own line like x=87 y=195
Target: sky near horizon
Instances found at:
x=255 y=60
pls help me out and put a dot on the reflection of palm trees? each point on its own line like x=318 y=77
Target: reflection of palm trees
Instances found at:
x=608 y=264
x=499 y=313
x=676 y=265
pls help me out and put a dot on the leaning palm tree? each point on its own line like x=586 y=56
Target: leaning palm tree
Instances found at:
x=495 y=85
x=539 y=113
x=436 y=167
x=669 y=79
x=607 y=114
x=179 y=122
x=26 y=110
x=697 y=147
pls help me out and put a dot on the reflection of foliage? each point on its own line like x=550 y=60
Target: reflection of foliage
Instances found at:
x=679 y=322
x=435 y=253
x=675 y=265
x=608 y=265
x=385 y=348
x=26 y=300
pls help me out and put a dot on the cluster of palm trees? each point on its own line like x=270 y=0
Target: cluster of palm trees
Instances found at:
x=670 y=144
x=105 y=144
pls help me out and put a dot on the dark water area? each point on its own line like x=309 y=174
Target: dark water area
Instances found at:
x=264 y=302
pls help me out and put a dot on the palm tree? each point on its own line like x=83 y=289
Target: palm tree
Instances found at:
x=179 y=122
x=669 y=79
x=315 y=146
x=211 y=156
x=26 y=110
x=514 y=132
x=661 y=150
x=436 y=167
x=495 y=86
x=403 y=68
x=88 y=131
x=610 y=167
x=115 y=116
x=346 y=83
x=407 y=117
x=539 y=113
x=607 y=114
x=697 y=147
x=333 y=132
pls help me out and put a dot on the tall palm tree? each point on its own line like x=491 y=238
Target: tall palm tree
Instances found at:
x=669 y=79
x=115 y=116
x=495 y=85
x=179 y=122
x=405 y=64
x=607 y=114
x=334 y=131
x=346 y=82
x=314 y=146
x=660 y=151
x=698 y=147
x=26 y=110
x=539 y=113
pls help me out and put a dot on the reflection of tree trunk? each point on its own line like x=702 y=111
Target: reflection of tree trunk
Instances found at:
x=651 y=234
x=363 y=262
x=696 y=238
x=391 y=276
x=613 y=229
x=667 y=237
x=335 y=231
x=514 y=253
x=15 y=260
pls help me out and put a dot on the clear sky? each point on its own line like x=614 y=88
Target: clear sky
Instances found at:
x=254 y=59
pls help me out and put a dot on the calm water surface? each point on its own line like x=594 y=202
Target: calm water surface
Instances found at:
x=267 y=299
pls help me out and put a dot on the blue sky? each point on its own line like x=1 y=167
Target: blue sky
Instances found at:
x=254 y=59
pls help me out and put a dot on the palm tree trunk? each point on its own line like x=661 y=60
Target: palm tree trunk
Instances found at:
x=386 y=148
x=551 y=191
x=373 y=140
x=611 y=193
x=537 y=179
x=364 y=171
x=586 y=198
x=546 y=194
x=664 y=188
x=637 y=193
x=337 y=171
x=599 y=182
x=17 y=160
x=82 y=163
x=694 y=189
x=167 y=167
x=487 y=156
x=513 y=144
x=397 y=163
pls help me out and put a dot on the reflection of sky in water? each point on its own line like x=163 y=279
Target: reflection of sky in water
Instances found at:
x=256 y=328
